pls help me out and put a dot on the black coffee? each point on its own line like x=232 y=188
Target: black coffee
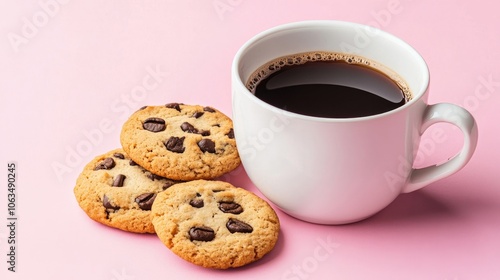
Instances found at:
x=328 y=85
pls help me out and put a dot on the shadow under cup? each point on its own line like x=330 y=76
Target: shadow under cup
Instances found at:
x=327 y=170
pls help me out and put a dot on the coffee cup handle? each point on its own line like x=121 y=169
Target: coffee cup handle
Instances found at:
x=461 y=118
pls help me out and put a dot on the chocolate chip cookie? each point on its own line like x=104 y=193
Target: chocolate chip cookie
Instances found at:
x=113 y=190
x=214 y=224
x=181 y=142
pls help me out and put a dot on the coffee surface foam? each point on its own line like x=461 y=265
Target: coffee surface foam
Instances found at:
x=275 y=65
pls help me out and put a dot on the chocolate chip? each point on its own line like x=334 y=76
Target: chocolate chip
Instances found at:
x=209 y=109
x=107 y=204
x=197 y=203
x=132 y=163
x=107 y=164
x=118 y=181
x=207 y=145
x=154 y=176
x=174 y=106
x=154 y=124
x=201 y=234
x=230 y=134
x=145 y=200
x=175 y=144
x=168 y=184
x=198 y=114
x=142 y=108
x=187 y=127
x=234 y=225
x=119 y=155
x=230 y=207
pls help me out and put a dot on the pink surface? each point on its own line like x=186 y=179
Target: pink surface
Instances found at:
x=72 y=71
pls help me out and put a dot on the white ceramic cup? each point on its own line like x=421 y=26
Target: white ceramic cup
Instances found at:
x=336 y=171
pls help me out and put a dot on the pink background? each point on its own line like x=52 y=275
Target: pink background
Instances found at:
x=72 y=71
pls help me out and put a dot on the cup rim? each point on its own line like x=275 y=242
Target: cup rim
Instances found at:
x=237 y=81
